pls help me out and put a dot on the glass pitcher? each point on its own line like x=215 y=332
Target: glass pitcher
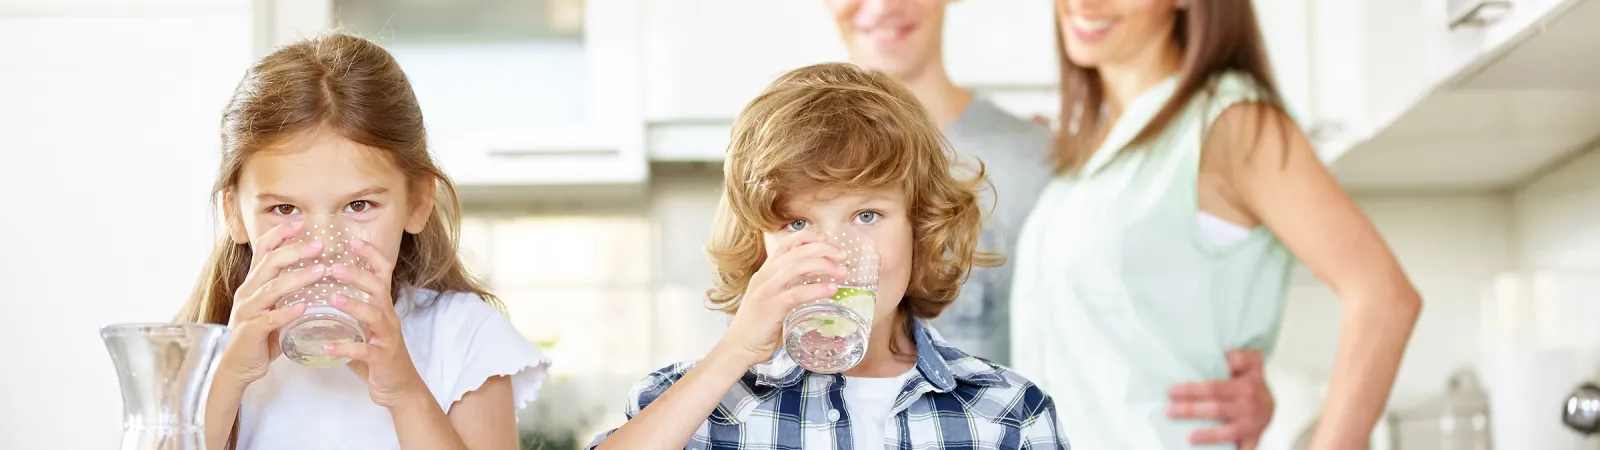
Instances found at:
x=165 y=373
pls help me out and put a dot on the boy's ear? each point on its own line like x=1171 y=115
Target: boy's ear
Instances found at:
x=232 y=219
x=423 y=195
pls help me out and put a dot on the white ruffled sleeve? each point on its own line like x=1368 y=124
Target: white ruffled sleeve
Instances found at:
x=474 y=342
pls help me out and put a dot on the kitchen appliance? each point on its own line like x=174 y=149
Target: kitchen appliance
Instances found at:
x=165 y=373
x=1537 y=343
x=1458 y=419
x=1582 y=409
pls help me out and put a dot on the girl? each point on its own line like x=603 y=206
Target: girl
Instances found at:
x=330 y=126
x=836 y=144
x=1165 y=240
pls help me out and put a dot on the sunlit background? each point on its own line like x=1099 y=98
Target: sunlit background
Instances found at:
x=587 y=138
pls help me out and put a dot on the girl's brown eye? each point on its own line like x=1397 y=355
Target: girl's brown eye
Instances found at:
x=283 y=209
x=358 y=206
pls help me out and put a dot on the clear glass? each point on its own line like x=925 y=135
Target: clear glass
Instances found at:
x=303 y=338
x=165 y=373
x=830 y=335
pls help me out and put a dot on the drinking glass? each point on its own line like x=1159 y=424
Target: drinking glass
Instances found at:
x=302 y=339
x=829 y=335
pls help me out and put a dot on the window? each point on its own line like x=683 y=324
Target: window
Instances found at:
x=589 y=291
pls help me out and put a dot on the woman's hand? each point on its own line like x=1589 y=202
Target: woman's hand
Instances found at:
x=254 y=323
x=775 y=290
x=382 y=360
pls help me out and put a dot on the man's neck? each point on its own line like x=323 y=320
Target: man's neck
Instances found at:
x=942 y=98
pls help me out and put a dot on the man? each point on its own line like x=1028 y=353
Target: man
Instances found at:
x=904 y=39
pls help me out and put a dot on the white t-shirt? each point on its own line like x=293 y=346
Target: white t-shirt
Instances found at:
x=868 y=401
x=457 y=341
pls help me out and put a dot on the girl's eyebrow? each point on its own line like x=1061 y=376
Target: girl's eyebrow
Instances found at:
x=370 y=192
x=270 y=197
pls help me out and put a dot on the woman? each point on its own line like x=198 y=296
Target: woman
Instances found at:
x=1183 y=194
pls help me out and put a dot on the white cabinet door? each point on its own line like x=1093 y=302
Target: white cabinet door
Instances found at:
x=1370 y=61
x=1001 y=43
x=514 y=92
x=1284 y=27
x=706 y=58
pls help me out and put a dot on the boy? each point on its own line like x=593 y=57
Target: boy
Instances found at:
x=836 y=144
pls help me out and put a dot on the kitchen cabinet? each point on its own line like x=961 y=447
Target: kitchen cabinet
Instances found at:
x=553 y=103
x=1416 y=104
x=707 y=58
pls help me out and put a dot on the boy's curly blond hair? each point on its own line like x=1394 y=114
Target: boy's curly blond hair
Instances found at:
x=840 y=127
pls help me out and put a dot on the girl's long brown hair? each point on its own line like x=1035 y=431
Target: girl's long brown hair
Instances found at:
x=1215 y=36
x=350 y=86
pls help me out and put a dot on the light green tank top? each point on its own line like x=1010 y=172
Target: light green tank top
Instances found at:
x=1116 y=296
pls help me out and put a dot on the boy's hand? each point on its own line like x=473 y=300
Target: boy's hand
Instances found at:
x=775 y=290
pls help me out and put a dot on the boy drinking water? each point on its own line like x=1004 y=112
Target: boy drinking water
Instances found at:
x=836 y=144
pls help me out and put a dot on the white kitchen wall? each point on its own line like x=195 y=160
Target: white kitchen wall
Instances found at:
x=108 y=146
x=1450 y=246
x=1453 y=246
x=1558 y=217
x=1558 y=232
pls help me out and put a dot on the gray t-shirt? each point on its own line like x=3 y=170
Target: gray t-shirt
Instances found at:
x=1016 y=157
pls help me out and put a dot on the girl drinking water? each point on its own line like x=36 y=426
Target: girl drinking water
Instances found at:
x=330 y=126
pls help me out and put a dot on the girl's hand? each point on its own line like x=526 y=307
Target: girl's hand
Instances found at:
x=382 y=360
x=254 y=323
x=774 y=290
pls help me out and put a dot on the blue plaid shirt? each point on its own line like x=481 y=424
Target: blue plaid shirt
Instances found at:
x=952 y=401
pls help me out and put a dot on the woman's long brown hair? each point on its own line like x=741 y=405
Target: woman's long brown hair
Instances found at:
x=1215 y=36
x=350 y=86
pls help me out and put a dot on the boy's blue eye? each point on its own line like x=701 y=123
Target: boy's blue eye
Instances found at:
x=797 y=225
x=866 y=217
x=283 y=209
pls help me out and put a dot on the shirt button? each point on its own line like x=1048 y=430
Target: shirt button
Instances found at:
x=833 y=415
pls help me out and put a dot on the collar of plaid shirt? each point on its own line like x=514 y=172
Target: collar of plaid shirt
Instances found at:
x=939 y=368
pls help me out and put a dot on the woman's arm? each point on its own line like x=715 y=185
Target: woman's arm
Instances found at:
x=1277 y=177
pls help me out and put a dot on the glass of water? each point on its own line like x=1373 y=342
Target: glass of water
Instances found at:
x=829 y=335
x=302 y=339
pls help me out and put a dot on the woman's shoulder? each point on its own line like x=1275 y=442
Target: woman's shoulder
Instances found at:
x=1236 y=86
